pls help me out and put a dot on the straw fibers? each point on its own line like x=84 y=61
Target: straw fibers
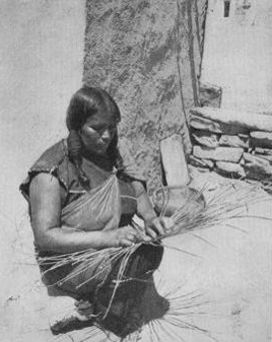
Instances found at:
x=220 y=207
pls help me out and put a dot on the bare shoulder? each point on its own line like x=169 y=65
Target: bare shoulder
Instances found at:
x=44 y=183
x=45 y=201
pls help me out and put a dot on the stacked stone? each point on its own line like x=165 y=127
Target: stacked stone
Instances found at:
x=234 y=144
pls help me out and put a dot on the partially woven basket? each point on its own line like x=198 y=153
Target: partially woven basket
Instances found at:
x=168 y=199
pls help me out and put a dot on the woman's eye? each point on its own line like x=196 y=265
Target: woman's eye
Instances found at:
x=101 y=129
x=94 y=128
x=91 y=128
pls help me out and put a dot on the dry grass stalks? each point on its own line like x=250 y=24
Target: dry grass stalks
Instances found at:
x=226 y=203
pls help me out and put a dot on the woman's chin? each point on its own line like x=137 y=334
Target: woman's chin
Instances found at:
x=99 y=150
x=102 y=149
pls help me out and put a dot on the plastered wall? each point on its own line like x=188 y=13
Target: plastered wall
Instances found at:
x=147 y=55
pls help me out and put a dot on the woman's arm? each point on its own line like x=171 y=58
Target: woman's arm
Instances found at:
x=154 y=226
x=45 y=210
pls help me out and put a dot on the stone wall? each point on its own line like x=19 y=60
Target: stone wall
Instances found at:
x=147 y=55
x=233 y=143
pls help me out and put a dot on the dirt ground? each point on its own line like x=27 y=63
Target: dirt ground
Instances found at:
x=219 y=287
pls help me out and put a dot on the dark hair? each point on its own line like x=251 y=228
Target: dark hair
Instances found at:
x=85 y=103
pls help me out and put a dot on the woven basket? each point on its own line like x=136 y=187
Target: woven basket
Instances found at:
x=167 y=200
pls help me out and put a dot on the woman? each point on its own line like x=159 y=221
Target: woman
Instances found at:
x=82 y=195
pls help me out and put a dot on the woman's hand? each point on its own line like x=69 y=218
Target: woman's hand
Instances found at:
x=155 y=227
x=125 y=237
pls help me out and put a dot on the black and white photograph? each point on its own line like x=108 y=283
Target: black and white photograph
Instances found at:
x=136 y=171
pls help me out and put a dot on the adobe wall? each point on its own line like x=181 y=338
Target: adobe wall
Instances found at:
x=147 y=55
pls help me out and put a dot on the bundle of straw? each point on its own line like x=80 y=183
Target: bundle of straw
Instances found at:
x=225 y=203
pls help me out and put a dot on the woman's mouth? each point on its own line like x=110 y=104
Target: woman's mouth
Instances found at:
x=102 y=146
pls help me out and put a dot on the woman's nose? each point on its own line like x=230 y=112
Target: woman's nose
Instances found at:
x=106 y=135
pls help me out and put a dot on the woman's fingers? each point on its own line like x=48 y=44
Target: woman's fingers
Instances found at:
x=146 y=238
x=126 y=243
x=131 y=237
x=158 y=226
x=128 y=236
x=155 y=228
x=150 y=232
x=168 y=224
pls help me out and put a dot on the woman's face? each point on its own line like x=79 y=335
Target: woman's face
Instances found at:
x=98 y=132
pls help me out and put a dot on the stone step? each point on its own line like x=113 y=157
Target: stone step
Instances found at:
x=257 y=168
x=261 y=139
x=205 y=138
x=230 y=169
x=264 y=156
x=229 y=154
x=265 y=151
x=200 y=123
x=220 y=120
x=205 y=163
x=234 y=141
